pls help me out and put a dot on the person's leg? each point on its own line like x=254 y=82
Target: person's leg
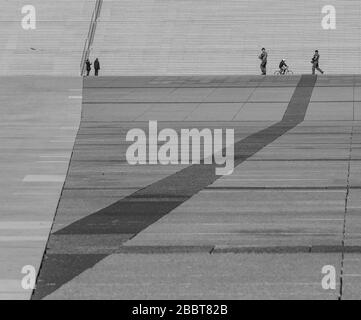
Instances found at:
x=319 y=69
x=96 y=72
x=313 y=69
x=264 y=69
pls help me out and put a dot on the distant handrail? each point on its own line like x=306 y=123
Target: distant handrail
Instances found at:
x=91 y=33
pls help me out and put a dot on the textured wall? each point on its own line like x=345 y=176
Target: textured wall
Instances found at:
x=57 y=42
x=225 y=36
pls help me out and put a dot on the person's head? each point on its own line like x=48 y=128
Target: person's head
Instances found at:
x=316 y=51
x=284 y=60
x=263 y=49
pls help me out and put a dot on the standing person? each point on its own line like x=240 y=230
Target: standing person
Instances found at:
x=88 y=67
x=96 y=66
x=263 y=58
x=315 y=63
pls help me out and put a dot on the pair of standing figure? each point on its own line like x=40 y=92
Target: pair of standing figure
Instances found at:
x=315 y=62
x=88 y=65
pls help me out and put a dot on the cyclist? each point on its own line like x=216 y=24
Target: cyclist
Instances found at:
x=283 y=66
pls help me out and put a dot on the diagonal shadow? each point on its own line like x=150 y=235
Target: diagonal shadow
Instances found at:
x=139 y=210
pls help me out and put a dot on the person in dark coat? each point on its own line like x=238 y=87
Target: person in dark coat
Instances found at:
x=96 y=66
x=88 y=67
x=315 y=63
x=263 y=57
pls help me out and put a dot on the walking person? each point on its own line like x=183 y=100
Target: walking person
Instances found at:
x=96 y=67
x=315 y=63
x=263 y=57
x=88 y=67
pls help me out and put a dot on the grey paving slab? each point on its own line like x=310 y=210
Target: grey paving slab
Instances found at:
x=106 y=95
x=189 y=94
x=118 y=82
x=351 y=277
x=215 y=112
x=355 y=167
x=229 y=95
x=329 y=111
x=357 y=94
x=162 y=116
x=271 y=217
x=277 y=94
x=203 y=276
x=310 y=141
x=288 y=81
x=357 y=110
x=261 y=112
x=38 y=121
x=336 y=81
x=330 y=94
x=114 y=112
x=288 y=175
x=303 y=152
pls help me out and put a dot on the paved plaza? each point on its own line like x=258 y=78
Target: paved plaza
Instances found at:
x=96 y=227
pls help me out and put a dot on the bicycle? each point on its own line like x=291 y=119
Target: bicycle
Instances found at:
x=285 y=73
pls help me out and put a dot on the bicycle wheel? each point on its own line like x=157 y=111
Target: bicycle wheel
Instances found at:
x=289 y=72
x=277 y=73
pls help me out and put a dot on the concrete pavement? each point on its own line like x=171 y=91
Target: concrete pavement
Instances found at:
x=290 y=207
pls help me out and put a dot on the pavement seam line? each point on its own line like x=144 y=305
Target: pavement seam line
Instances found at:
x=346 y=206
